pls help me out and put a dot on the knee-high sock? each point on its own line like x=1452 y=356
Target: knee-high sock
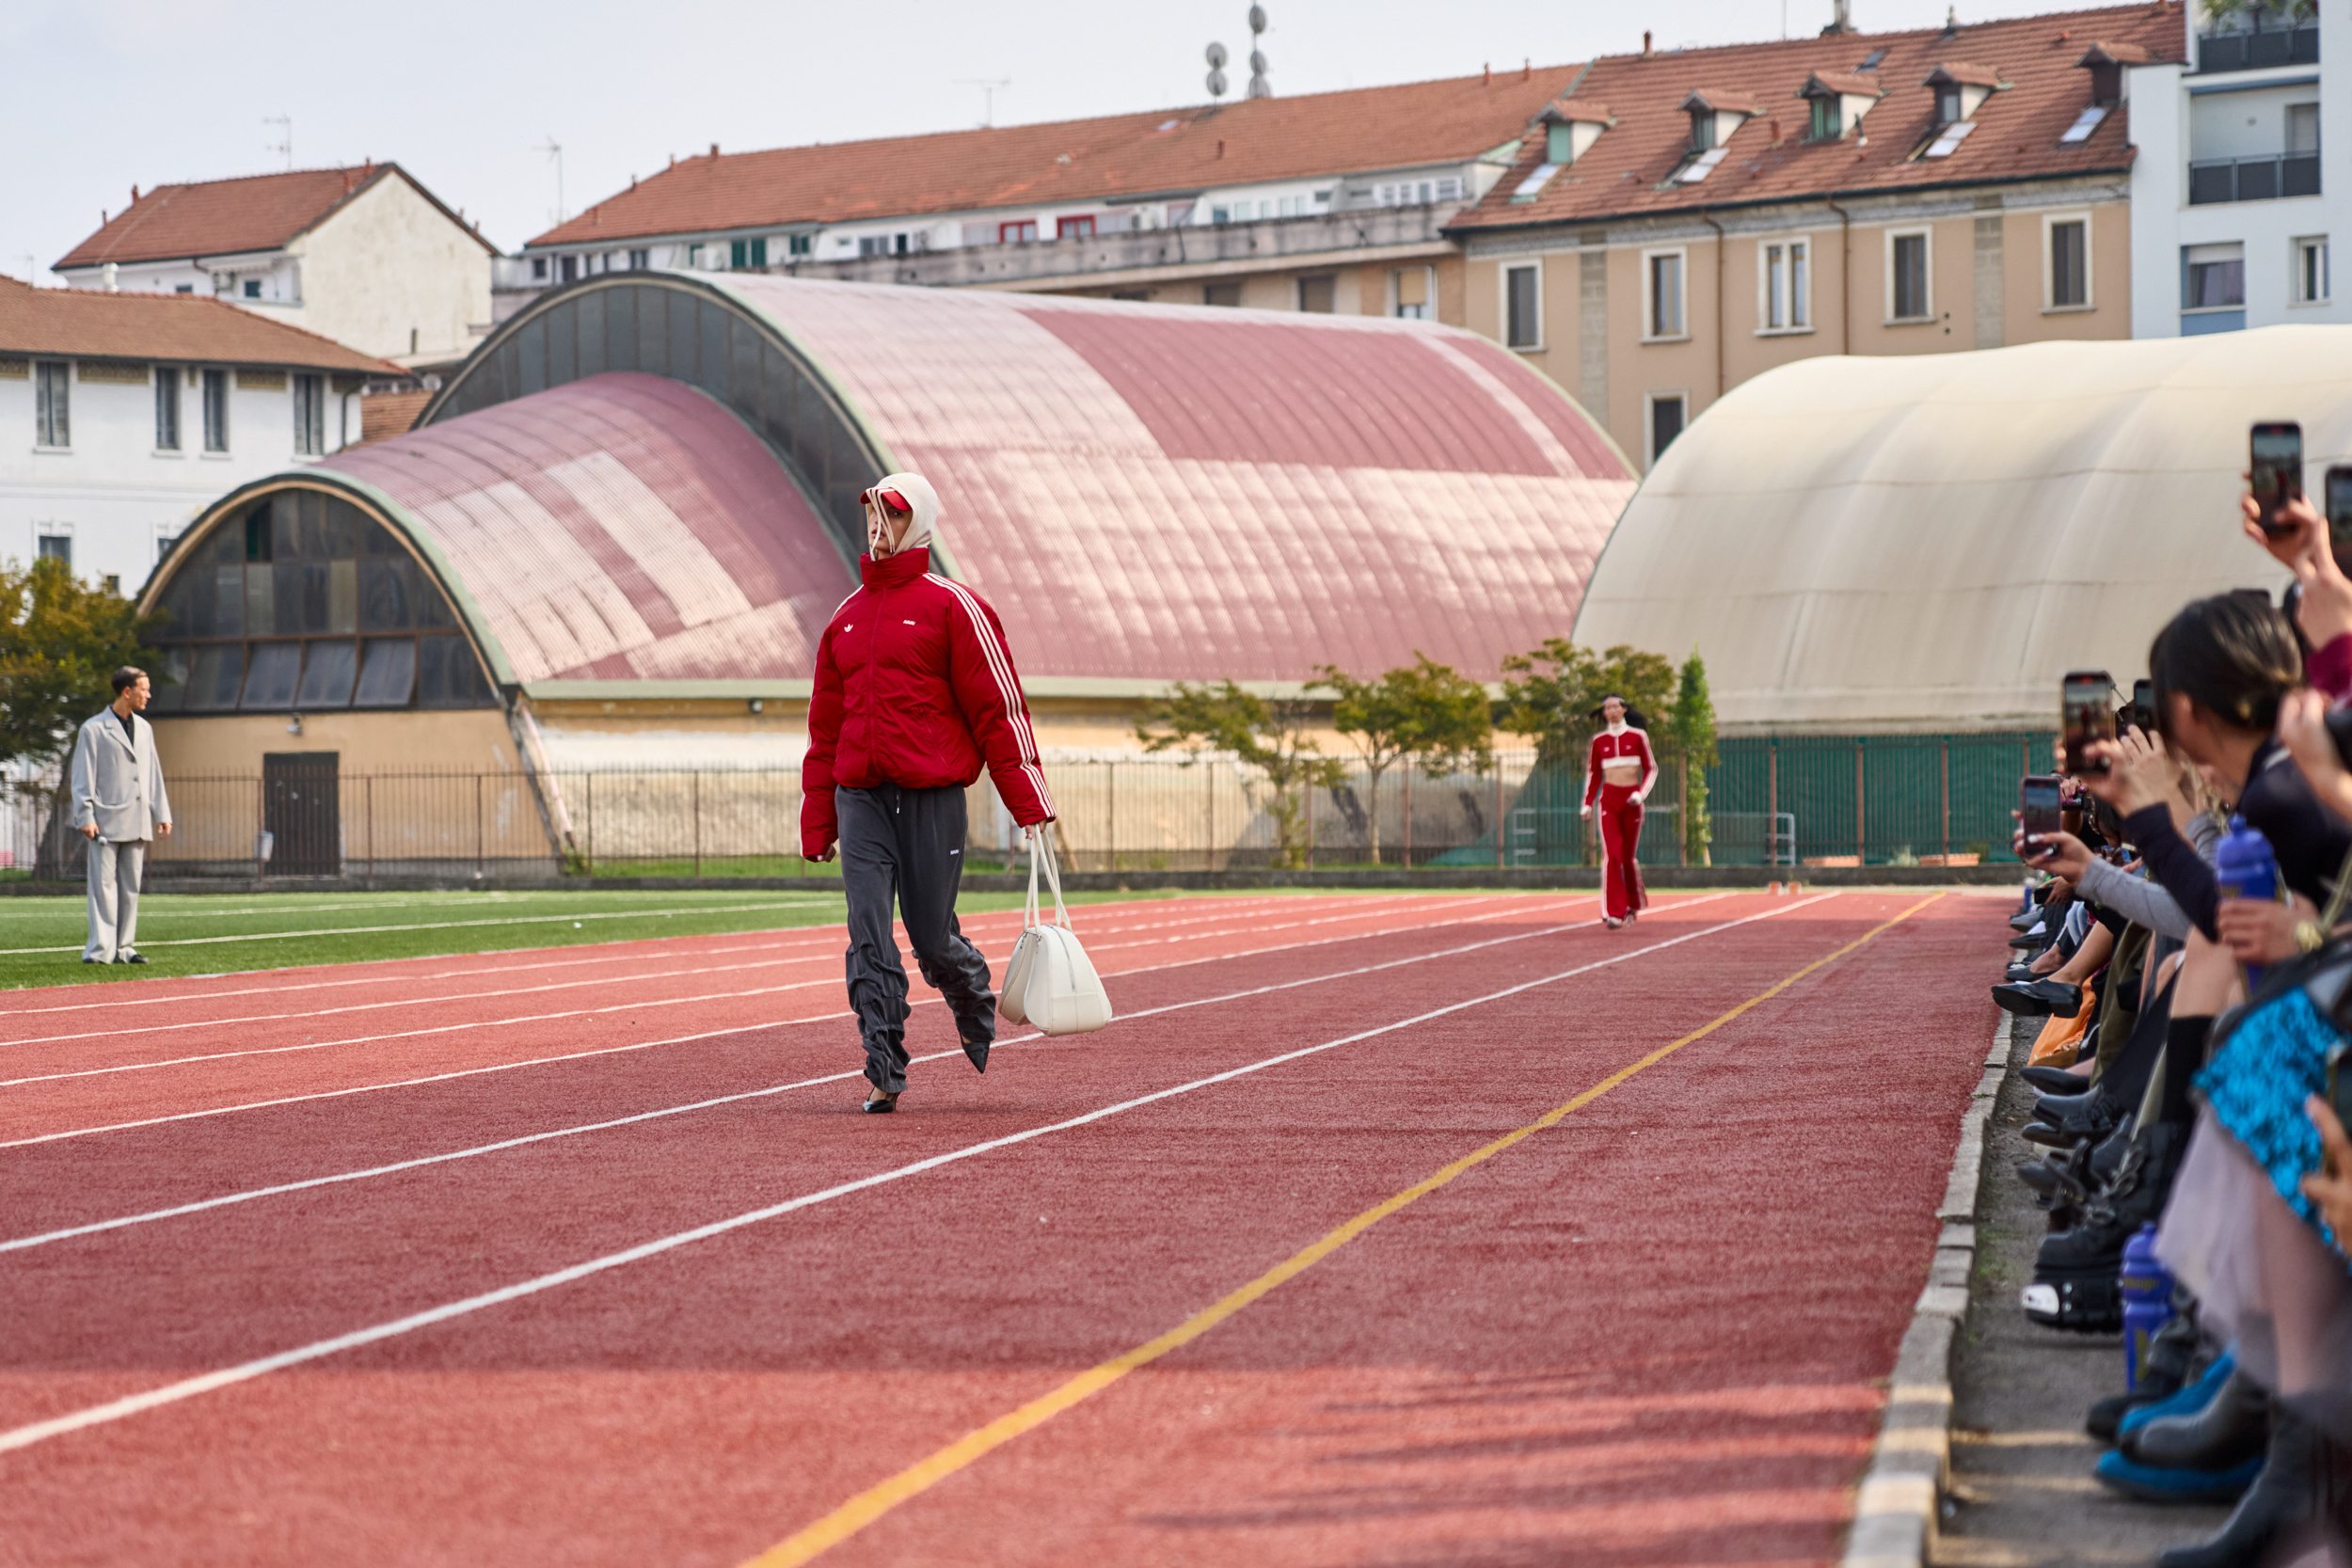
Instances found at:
x=2183 y=1053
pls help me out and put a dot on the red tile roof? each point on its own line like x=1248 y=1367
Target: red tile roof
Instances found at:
x=1962 y=73
x=384 y=415
x=86 y=324
x=2017 y=137
x=1172 y=151
x=1721 y=98
x=229 y=218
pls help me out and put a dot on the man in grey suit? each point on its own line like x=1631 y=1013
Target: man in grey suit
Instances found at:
x=119 y=805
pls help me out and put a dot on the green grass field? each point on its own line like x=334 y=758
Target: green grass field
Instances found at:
x=41 y=938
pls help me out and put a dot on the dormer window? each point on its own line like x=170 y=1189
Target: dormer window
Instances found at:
x=2106 y=62
x=1714 y=116
x=1839 y=99
x=1828 y=121
x=1948 y=107
x=1570 y=130
x=1960 y=90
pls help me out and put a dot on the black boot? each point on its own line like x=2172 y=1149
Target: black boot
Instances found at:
x=2231 y=1429
x=2172 y=1361
x=2285 y=1494
x=2074 y=1284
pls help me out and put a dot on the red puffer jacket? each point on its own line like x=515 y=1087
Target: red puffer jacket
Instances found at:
x=916 y=687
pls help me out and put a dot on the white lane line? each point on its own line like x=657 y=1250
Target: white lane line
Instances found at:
x=451 y=924
x=200 y=1205
x=640 y=1045
x=187 y=1388
x=115 y=996
x=461 y=997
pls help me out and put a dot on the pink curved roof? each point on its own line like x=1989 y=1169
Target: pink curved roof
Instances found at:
x=1151 y=492
x=625 y=527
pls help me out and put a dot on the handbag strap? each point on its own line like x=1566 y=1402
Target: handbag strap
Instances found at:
x=1029 y=906
x=1042 y=847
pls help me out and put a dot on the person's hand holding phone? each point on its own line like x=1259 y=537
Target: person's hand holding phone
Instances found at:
x=2061 y=854
x=2303 y=731
x=2299 y=541
x=2138 y=774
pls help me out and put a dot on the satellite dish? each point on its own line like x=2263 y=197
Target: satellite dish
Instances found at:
x=1217 y=84
x=1257 y=19
x=1216 y=57
x=1261 y=88
x=1257 y=61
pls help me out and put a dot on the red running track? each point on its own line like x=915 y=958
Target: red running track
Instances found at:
x=1649 y=1333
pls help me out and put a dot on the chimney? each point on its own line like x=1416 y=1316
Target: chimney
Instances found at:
x=1491 y=74
x=134 y=195
x=1646 y=41
x=1527 y=70
x=1220 y=146
x=1951 y=22
x=714 y=149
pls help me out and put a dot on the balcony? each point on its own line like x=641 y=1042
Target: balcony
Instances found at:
x=2255 y=50
x=2265 y=179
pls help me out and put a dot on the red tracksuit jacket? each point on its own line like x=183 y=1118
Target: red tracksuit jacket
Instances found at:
x=1632 y=746
x=916 y=687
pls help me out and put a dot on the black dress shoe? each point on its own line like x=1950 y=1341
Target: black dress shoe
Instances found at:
x=2080 y=1117
x=2052 y=1080
x=881 y=1104
x=94 y=961
x=131 y=958
x=2286 y=1493
x=976 y=1051
x=2038 y=998
x=2232 y=1428
x=2035 y=939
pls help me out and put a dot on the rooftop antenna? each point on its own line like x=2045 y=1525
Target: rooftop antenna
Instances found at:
x=987 y=87
x=554 y=149
x=285 y=136
x=1217 y=70
x=1841 y=19
x=1259 y=88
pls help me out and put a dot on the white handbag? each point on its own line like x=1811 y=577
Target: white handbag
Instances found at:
x=1051 y=982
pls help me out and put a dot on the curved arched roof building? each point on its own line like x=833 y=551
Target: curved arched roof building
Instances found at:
x=645 y=487
x=1929 y=543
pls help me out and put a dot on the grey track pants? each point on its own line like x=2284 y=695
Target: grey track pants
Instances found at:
x=906 y=845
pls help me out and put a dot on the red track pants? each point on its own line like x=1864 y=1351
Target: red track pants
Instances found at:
x=1618 y=812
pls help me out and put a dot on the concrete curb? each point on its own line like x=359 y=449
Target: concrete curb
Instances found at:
x=1897 y=1508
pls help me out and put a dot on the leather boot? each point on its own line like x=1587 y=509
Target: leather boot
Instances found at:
x=2171 y=1369
x=2283 y=1495
x=2075 y=1273
x=2233 y=1427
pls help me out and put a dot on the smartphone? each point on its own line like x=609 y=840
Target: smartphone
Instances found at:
x=2143 y=707
x=2084 y=717
x=2339 y=495
x=2037 y=811
x=2276 y=470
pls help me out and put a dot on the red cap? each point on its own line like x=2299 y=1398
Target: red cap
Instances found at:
x=890 y=498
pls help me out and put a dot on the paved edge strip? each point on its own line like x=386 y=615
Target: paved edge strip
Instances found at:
x=851 y=1517
x=1901 y=1499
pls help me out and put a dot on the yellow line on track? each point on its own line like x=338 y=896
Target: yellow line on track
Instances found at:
x=872 y=1503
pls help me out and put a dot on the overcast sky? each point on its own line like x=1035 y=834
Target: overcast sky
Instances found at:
x=465 y=93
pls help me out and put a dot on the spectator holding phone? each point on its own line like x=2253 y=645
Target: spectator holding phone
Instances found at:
x=2298 y=538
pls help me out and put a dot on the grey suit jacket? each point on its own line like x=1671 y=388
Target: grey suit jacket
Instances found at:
x=116 y=785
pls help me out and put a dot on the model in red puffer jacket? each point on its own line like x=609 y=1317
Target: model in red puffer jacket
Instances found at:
x=915 y=691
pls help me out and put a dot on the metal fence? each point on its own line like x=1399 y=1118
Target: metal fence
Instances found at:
x=1792 y=801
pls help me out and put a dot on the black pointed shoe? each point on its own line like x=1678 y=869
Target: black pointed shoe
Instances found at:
x=2055 y=1080
x=976 y=1051
x=2038 y=998
x=879 y=1104
x=2232 y=1428
x=2285 y=1494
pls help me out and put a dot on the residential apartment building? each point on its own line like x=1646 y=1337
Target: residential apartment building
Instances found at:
x=2233 y=207
x=1326 y=202
x=127 y=414
x=1686 y=220
x=366 y=255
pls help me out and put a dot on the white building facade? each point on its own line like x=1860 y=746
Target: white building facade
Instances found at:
x=105 y=454
x=2241 y=179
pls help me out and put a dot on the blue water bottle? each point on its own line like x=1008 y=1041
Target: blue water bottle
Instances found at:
x=2244 y=867
x=2147 y=1302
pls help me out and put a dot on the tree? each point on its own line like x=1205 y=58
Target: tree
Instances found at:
x=1423 y=709
x=1559 y=685
x=1266 y=733
x=60 y=643
x=1692 y=727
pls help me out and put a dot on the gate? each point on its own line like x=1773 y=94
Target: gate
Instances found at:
x=301 y=811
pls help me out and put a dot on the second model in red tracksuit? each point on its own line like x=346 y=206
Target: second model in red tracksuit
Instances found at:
x=1617 y=811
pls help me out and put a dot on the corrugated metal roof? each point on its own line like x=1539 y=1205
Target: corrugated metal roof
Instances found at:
x=1150 y=492
x=625 y=527
x=1930 y=541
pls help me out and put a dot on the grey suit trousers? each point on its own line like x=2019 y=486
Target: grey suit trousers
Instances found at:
x=907 y=845
x=114 y=898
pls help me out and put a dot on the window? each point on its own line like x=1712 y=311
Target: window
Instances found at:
x=1522 y=314
x=1787 y=280
x=747 y=253
x=1409 y=286
x=1662 y=280
x=1318 y=296
x=216 y=410
x=111 y=584
x=167 y=408
x=1828 y=119
x=53 y=404
x=871 y=244
x=1026 y=231
x=54 y=547
x=184 y=289
x=1947 y=103
x=1666 y=422
x=252 y=288
x=571 y=268
x=2311 y=271
x=1907 y=277
x=2213 y=288
x=163 y=546
x=309 y=415
x=1074 y=228
x=639 y=260
x=2302 y=129
x=2069 y=262
x=538 y=269
x=1221 y=294
x=1221 y=214
x=800 y=245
